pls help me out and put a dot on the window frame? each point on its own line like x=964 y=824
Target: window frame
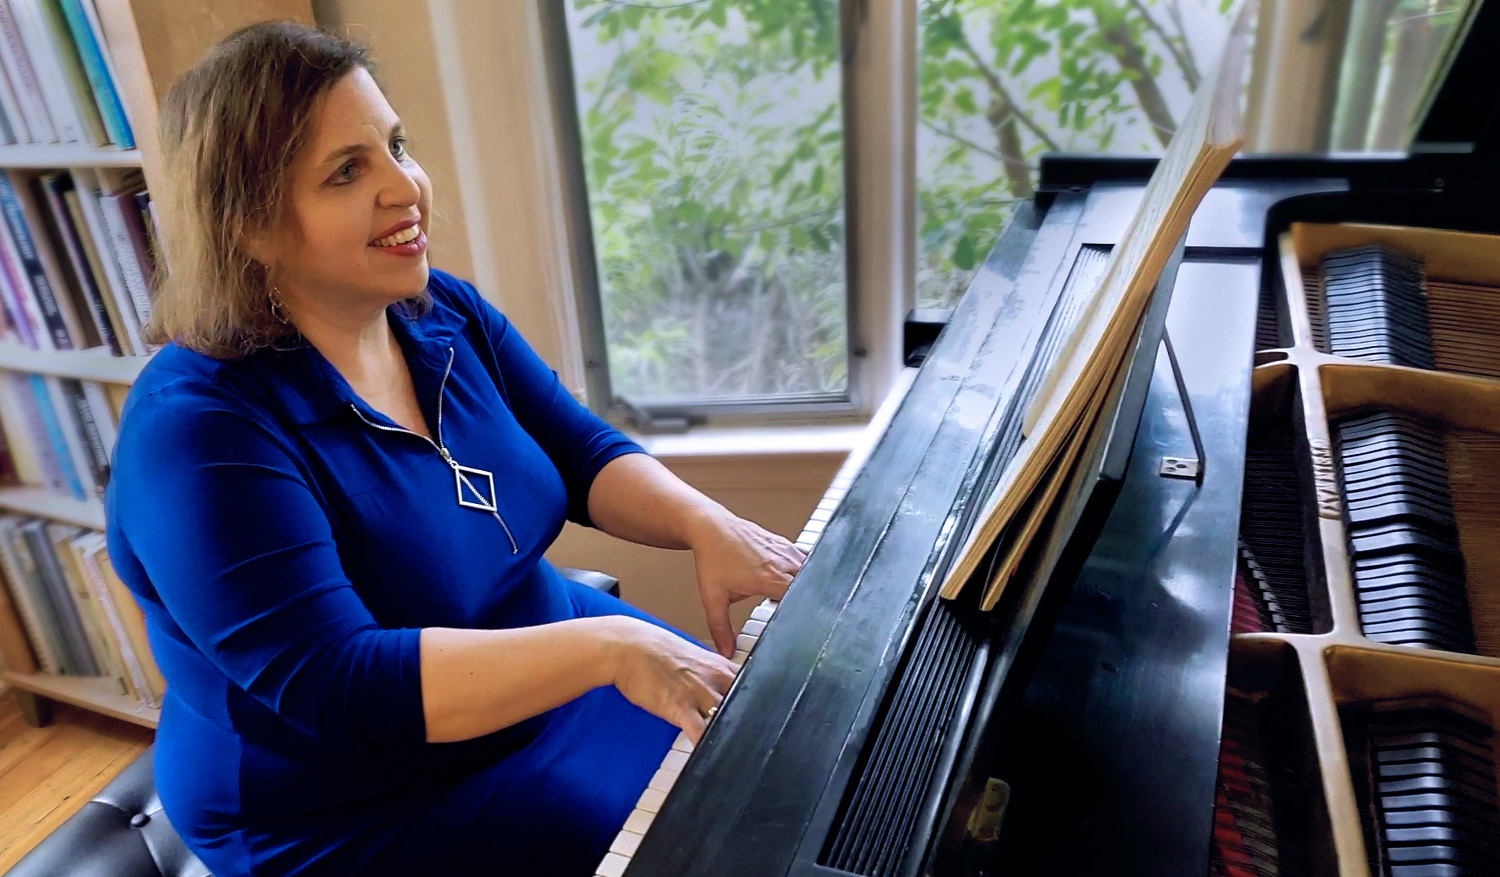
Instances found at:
x=876 y=94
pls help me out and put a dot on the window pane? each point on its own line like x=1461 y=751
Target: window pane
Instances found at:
x=712 y=141
x=1003 y=81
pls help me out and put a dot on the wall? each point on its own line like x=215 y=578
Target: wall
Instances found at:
x=465 y=77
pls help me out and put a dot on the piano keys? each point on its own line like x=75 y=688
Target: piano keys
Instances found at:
x=644 y=813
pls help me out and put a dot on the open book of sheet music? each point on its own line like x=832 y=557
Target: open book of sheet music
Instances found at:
x=1068 y=404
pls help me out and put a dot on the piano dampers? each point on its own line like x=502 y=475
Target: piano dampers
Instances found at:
x=1408 y=568
x=1374 y=307
x=1424 y=776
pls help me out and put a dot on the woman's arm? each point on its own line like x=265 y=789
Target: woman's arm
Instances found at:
x=635 y=497
x=478 y=681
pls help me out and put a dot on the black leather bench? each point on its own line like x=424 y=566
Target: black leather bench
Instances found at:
x=123 y=832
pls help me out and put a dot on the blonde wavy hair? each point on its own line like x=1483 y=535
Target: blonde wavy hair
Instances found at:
x=230 y=128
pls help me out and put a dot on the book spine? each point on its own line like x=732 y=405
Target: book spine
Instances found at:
x=127 y=140
x=132 y=270
x=135 y=623
x=60 y=538
x=12 y=103
x=42 y=390
x=31 y=413
x=49 y=75
x=106 y=97
x=36 y=612
x=23 y=75
x=75 y=83
x=72 y=437
x=15 y=221
x=119 y=303
x=57 y=188
x=95 y=451
x=15 y=646
x=109 y=322
x=42 y=555
x=133 y=677
x=10 y=475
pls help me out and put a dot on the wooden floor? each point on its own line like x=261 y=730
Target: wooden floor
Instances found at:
x=46 y=774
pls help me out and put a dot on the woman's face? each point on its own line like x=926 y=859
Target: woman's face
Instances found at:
x=355 y=231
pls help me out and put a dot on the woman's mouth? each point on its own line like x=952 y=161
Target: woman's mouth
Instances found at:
x=404 y=236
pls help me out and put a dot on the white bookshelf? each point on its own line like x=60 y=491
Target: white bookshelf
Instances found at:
x=56 y=155
x=42 y=503
x=96 y=364
x=98 y=694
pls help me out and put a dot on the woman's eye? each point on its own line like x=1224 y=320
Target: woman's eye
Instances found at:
x=398 y=147
x=345 y=173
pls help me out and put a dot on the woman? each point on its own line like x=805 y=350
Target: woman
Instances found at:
x=332 y=492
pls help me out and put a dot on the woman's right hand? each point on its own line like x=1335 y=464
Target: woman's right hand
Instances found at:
x=668 y=676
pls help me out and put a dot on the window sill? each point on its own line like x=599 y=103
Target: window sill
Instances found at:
x=768 y=457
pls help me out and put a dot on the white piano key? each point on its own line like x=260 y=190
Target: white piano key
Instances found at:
x=753 y=628
x=613 y=865
x=816 y=527
x=820 y=515
x=651 y=801
x=739 y=657
x=638 y=821
x=744 y=643
x=662 y=780
x=763 y=612
x=675 y=761
x=806 y=543
x=828 y=504
x=625 y=844
x=682 y=744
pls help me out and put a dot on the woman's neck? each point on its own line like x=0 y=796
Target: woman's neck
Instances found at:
x=360 y=345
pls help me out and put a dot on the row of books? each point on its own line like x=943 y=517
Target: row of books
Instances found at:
x=76 y=259
x=58 y=432
x=77 y=618
x=57 y=79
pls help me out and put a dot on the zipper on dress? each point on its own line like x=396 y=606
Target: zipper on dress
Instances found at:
x=442 y=450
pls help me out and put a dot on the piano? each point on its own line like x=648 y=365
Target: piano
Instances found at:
x=1267 y=640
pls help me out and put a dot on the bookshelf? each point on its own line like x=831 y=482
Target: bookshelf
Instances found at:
x=145 y=45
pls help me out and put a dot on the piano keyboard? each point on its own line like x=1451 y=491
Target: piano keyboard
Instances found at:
x=639 y=821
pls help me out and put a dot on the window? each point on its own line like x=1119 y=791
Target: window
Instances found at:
x=713 y=138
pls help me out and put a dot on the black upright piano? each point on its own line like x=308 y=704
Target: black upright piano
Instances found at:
x=1265 y=641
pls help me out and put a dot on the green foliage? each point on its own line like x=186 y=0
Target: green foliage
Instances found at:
x=713 y=144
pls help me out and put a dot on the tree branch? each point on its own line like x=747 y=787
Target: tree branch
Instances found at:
x=1179 y=54
x=1003 y=93
x=959 y=138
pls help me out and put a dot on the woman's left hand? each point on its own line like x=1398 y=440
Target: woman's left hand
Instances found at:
x=736 y=559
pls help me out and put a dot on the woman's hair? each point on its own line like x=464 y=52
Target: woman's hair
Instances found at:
x=229 y=130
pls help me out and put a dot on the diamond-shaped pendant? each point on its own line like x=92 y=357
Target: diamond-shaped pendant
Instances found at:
x=470 y=489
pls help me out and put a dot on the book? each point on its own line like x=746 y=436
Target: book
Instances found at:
x=118 y=210
x=132 y=619
x=12 y=105
x=32 y=25
x=95 y=632
x=15 y=645
x=49 y=572
x=39 y=268
x=105 y=310
x=1066 y=410
x=118 y=300
x=49 y=468
x=95 y=452
x=23 y=78
x=91 y=46
x=75 y=79
x=46 y=391
x=57 y=233
x=35 y=608
x=17 y=433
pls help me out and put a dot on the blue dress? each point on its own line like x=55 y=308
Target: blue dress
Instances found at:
x=287 y=545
